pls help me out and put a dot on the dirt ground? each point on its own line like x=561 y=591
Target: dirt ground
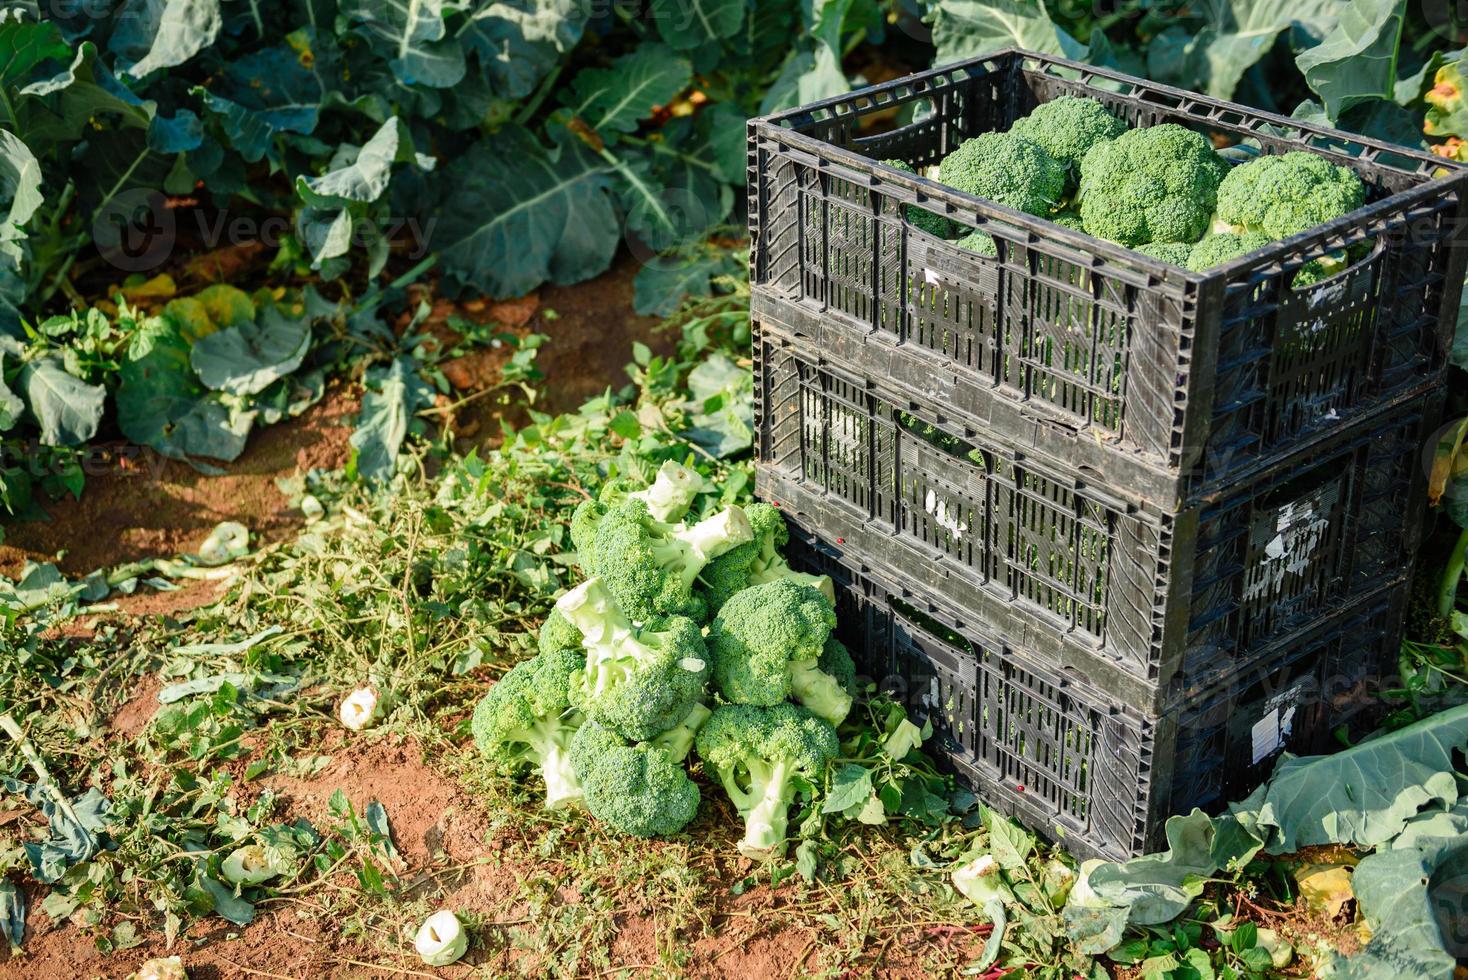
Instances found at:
x=150 y=506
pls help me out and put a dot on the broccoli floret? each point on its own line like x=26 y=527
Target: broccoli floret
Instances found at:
x=933 y=224
x=766 y=645
x=757 y=562
x=1070 y=218
x=765 y=758
x=980 y=242
x=527 y=721
x=671 y=492
x=1158 y=184
x=1069 y=126
x=650 y=567
x=638 y=681
x=638 y=789
x=1283 y=195
x=1174 y=252
x=557 y=634
x=836 y=661
x=1008 y=169
x=584 y=521
x=1218 y=249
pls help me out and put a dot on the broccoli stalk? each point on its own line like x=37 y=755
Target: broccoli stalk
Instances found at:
x=819 y=691
x=765 y=758
x=677 y=742
x=671 y=492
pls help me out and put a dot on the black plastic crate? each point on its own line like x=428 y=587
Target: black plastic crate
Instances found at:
x=1150 y=603
x=1144 y=375
x=1050 y=748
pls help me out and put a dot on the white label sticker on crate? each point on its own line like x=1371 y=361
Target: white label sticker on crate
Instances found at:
x=1271 y=731
x=931 y=278
x=1299 y=528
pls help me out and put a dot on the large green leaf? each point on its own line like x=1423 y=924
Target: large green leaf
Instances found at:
x=1416 y=902
x=813 y=73
x=688 y=24
x=161 y=404
x=248 y=358
x=363 y=175
x=262 y=95
x=972 y=28
x=180 y=30
x=67 y=409
x=412 y=36
x=394 y=395
x=1357 y=60
x=1157 y=887
x=1364 y=795
x=519 y=41
x=20 y=190
x=517 y=215
x=24 y=45
x=1235 y=34
x=616 y=99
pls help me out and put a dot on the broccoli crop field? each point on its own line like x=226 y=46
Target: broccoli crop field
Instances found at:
x=472 y=504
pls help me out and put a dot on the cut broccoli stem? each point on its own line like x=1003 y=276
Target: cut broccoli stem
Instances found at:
x=671 y=492
x=1447 y=599
x=561 y=786
x=767 y=820
x=714 y=536
x=591 y=609
x=818 y=691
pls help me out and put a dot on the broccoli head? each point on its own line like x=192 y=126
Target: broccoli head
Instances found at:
x=1283 y=195
x=933 y=224
x=527 y=721
x=757 y=562
x=980 y=242
x=1007 y=169
x=1157 y=184
x=639 y=681
x=1070 y=218
x=766 y=645
x=650 y=567
x=1174 y=252
x=1069 y=126
x=637 y=789
x=1218 y=249
x=765 y=758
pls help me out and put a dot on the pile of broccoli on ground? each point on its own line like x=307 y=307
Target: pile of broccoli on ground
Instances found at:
x=1161 y=190
x=686 y=634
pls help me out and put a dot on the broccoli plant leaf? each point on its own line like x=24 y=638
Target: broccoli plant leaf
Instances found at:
x=412 y=36
x=1235 y=34
x=616 y=99
x=161 y=404
x=24 y=45
x=520 y=215
x=688 y=24
x=1357 y=61
x=262 y=95
x=971 y=28
x=851 y=785
x=12 y=913
x=518 y=41
x=68 y=409
x=1364 y=795
x=394 y=395
x=248 y=358
x=1414 y=901
x=180 y=29
x=663 y=283
x=20 y=185
x=1157 y=887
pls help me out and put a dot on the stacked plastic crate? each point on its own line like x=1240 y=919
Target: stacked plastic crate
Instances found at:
x=1124 y=532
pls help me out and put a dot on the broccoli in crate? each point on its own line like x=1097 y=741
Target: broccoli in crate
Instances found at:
x=1161 y=190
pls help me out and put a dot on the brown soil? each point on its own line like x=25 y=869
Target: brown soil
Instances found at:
x=158 y=507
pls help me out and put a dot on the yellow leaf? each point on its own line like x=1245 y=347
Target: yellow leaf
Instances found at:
x=1326 y=887
x=159 y=287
